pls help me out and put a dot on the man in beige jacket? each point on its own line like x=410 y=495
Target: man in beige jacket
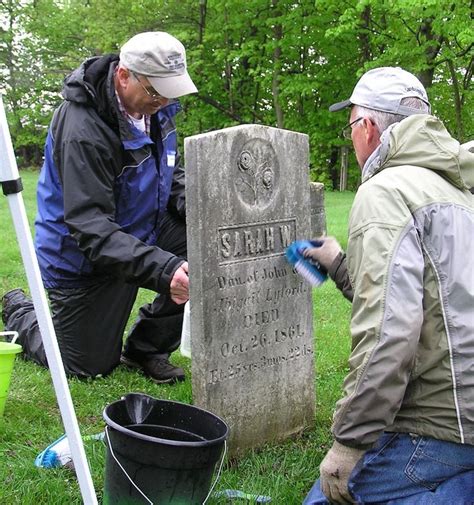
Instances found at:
x=404 y=429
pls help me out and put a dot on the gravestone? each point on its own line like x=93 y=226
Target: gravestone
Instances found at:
x=247 y=199
x=318 y=214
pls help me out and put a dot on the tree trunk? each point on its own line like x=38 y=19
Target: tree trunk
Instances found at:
x=366 y=52
x=432 y=50
x=333 y=168
x=16 y=127
x=278 y=35
x=457 y=102
x=228 y=66
x=202 y=19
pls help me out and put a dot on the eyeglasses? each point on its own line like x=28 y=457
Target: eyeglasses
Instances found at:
x=347 y=130
x=152 y=94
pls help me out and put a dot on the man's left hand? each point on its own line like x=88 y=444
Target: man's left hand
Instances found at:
x=179 y=287
x=335 y=470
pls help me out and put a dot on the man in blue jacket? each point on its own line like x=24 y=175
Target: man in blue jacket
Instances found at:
x=111 y=214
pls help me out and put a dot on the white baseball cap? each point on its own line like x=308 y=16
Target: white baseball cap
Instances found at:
x=383 y=89
x=161 y=58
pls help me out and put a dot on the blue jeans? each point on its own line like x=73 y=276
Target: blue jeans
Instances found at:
x=403 y=469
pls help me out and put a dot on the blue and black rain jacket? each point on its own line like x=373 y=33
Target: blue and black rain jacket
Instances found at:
x=104 y=186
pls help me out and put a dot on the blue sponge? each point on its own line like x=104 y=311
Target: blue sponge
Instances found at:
x=310 y=270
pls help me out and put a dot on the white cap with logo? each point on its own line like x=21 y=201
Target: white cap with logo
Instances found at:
x=383 y=89
x=161 y=58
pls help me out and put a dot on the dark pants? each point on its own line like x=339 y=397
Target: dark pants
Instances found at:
x=90 y=321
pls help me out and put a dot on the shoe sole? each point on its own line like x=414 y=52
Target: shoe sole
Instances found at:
x=8 y=307
x=133 y=364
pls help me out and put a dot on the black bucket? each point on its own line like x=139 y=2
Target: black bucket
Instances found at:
x=160 y=452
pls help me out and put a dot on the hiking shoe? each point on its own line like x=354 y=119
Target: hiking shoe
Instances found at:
x=10 y=302
x=160 y=370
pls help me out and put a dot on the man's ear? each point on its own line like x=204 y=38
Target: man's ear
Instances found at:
x=372 y=134
x=123 y=76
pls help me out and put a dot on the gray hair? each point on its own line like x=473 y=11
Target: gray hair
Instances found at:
x=131 y=72
x=383 y=120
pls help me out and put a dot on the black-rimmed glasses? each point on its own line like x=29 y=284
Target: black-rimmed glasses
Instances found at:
x=347 y=130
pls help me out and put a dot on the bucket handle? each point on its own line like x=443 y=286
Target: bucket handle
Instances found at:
x=141 y=492
x=221 y=464
x=7 y=333
x=123 y=469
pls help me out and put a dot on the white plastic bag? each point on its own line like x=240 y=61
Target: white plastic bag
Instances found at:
x=185 y=347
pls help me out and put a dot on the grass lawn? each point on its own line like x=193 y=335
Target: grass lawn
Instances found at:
x=32 y=419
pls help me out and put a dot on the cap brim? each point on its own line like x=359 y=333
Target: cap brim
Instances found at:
x=174 y=86
x=340 y=105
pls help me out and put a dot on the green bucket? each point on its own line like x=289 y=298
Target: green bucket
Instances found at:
x=8 y=350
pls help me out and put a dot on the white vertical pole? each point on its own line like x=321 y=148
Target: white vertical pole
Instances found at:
x=11 y=184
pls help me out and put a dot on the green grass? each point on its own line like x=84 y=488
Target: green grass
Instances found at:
x=32 y=419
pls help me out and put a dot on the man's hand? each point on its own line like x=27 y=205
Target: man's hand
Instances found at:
x=179 y=287
x=324 y=254
x=335 y=470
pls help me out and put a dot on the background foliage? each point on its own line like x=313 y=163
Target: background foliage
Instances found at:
x=274 y=62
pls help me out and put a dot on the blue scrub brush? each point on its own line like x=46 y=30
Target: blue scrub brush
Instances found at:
x=309 y=269
x=59 y=453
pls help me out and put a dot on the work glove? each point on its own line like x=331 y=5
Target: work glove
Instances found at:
x=324 y=254
x=335 y=470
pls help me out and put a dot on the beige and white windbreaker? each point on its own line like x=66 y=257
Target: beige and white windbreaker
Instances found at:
x=410 y=258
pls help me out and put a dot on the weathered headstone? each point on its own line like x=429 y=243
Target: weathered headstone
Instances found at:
x=247 y=198
x=318 y=214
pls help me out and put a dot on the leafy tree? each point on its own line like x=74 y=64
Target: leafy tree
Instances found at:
x=275 y=62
